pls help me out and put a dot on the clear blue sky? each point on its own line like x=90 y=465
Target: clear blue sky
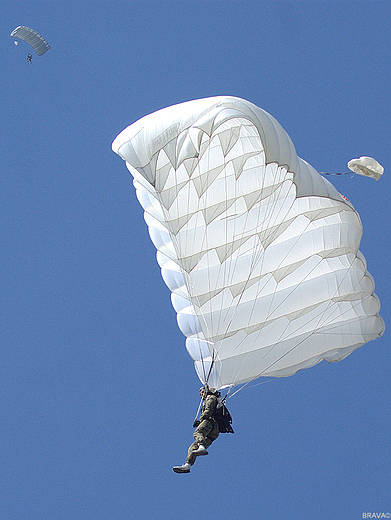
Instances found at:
x=98 y=393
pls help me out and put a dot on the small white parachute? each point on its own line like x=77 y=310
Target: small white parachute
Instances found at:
x=366 y=166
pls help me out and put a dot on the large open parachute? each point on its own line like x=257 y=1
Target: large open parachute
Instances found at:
x=259 y=250
x=37 y=42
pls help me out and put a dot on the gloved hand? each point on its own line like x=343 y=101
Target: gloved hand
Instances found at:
x=196 y=423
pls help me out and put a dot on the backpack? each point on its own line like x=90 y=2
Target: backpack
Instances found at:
x=223 y=417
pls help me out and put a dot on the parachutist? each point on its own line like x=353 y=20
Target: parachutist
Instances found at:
x=29 y=58
x=259 y=251
x=207 y=428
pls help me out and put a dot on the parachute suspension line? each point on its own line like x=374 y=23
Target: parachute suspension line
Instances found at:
x=203 y=153
x=294 y=245
x=245 y=386
x=198 y=410
x=173 y=235
x=342 y=173
x=352 y=257
x=322 y=312
x=297 y=345
x=204 y=156
x=310 y=333
x=227 y=164
x=243 y=135
x=276 y=361
x=230 y=273
x=337 y=308
x=261 y=225
x=268 y=224
x=321 y=315
x=192 y=292
x=211 y=365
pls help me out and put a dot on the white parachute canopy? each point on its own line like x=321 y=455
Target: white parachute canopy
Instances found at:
x=259 y=251
x=37 y=42
x=366 y=166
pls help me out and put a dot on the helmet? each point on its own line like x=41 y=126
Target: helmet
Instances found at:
x=208 y=390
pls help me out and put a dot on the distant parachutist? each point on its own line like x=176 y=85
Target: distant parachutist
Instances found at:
x=29 y=58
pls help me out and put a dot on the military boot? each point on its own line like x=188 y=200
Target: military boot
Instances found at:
x=185 y=468
x=201 y=450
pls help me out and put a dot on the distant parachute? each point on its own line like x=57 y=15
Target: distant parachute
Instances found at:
x=37 y=42
x=260 y=252
x=366 y=166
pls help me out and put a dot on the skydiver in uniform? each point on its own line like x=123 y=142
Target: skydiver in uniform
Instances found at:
x=29 y=57
x=206 y=431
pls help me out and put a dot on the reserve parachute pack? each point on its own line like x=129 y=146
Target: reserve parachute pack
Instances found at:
x=223 y=417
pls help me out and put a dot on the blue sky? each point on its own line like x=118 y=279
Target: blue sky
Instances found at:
x=98 y=393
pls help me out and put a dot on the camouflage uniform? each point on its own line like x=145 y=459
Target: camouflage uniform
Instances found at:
x=207 y=431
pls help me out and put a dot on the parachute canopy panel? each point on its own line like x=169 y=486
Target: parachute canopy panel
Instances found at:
x=260 y=252
x=37 y=42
